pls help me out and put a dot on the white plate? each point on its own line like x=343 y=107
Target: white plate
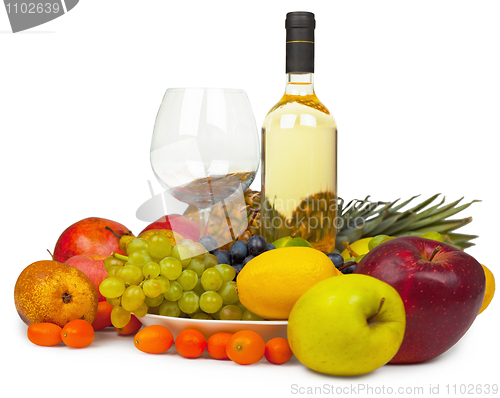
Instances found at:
x=266 y=329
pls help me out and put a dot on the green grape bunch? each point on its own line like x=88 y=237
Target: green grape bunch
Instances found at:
x=184 y=280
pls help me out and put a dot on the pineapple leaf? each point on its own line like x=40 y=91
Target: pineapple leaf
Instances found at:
x=401 y=205
x=388 y=221
x=371 y=225
x=443 y=226
x=410 y=219
x=423 y=204
x=440 y=216
x=458 y=238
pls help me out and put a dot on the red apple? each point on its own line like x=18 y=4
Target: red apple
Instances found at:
x=177 y=223
x=92 y=266
x=90 y=236
x=442 y=289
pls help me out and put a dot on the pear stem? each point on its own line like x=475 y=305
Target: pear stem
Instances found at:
x=349 y=249
x=436 y=250
x=51 y=255
x=378 y=310
x=119 y=256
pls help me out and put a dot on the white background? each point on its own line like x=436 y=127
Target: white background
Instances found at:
x=414 y=87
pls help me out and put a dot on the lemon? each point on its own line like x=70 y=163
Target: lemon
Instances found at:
x=271 y=283
x=360 y=247
x=489 y=289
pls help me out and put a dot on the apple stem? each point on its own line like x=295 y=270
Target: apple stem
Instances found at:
x=119 y=256
x=436 y=250
x=378 y=310
x=349 y=249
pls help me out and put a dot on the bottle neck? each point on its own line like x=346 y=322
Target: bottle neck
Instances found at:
x=299 y=84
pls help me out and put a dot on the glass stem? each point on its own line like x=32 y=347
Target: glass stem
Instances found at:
x=204 y=217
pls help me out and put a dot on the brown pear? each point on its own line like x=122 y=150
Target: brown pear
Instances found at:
x=49 y=291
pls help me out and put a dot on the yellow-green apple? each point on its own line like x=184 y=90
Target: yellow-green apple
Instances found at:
x=346 y=326
x=94 y=236
x=92 y=266
x=442 y=288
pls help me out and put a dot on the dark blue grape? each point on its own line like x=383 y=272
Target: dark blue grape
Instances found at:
x=270 y=246
x=247 y=259
x=238 y=252
x=350 y=268
x=209 y=243
x=223 y=257
x=237 y=268
x=337 y=259
x=256 y=245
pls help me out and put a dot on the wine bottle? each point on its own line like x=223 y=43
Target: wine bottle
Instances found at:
x=299 y=150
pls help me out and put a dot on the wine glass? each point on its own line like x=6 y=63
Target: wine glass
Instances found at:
x=205 y=147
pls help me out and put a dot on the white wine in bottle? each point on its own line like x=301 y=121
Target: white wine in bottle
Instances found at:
x=299 y=150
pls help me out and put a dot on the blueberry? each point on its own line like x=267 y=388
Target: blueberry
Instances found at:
x=223 y=257
x=350 y=268
x=238 y=252
x=247 y=259
x=237 y=268
x=256 y=245
x=209 y=243
x=270 y=246
x=337 y=259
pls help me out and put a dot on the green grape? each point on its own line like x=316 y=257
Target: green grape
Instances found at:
x=230 y=313
x=199 y=288
x=130 y=274
x=152 y=288
x=136 y=245
x=141 y=311
x=112 y=270
x=112 y=262
x=188 y=279
x=210 y=302
x=170 y=308
x=375 y=241
x=186 y=242
x=215 y=315
x=132 y=298
x=112 y=287
x=197 y=250
x=183 y=254
x=153 y=301
x=151 y=270
x=211 y=279
x=228 y=292
x=228 y=273
x=160 y=245
x=139 y=258
x=154 y=310
x=165 y=283
x=171 y=268
x=242 y=307
x=432 y=235
x=202 y=315
x=210 y=260
x=197 y=265
x=119 y=317
x=114 y=301
x=189 y=302
x=174 y=293
x=250 y=316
